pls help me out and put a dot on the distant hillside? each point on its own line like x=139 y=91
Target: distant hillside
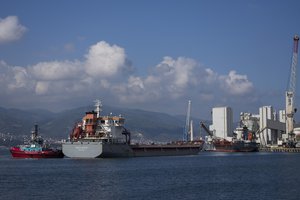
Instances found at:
x=20 y=122
x=144 y=125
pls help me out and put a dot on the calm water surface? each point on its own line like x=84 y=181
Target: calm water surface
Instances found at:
x=204 y=176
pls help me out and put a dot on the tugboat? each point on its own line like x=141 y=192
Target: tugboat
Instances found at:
x=35 y=149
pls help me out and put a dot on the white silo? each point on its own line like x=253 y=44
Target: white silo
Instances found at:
x=222 y=122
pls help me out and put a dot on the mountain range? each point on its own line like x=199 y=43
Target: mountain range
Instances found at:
x=144 y=125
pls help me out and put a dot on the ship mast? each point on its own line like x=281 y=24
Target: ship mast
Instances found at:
x=98 y=106
x=34 y=133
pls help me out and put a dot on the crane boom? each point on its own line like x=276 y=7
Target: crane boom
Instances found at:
x=290 y=93
x=292 y=83
x=187 y=123
x=206 y=129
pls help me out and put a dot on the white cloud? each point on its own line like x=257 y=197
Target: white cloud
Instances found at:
x=20 y=78
x=56 y=70
x=136 y=84
x=41 y=87
x=178 y=71
x=4 y=72
x=13 y=78
x=68 y=77
x=236 y=84
x=11 y=29
x=174 y=79
x=211 y=76
x=174 y=75
x=169 y=82
x=104 y=60
x=171 y=79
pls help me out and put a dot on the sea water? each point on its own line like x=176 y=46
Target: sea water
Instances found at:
x=204 y=176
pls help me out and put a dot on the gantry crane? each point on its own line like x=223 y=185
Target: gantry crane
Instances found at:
x=291 y=92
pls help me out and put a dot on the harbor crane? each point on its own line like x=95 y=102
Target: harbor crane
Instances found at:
x=206 y=129
x=291 y=92
x=188 y=129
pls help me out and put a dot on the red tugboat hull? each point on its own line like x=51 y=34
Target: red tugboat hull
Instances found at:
x=16 y=152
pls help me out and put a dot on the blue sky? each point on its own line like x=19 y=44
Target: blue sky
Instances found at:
x=152 y=55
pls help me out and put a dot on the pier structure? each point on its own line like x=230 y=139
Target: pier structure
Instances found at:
x=279 y=149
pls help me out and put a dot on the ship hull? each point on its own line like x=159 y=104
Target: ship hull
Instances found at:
x=95 y=150
x=236 y=147
x=117 y=150
x=165 y=150
x=18 y=153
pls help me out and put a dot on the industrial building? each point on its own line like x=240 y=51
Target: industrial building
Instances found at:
x=268 y=126
x=271 y=125
x=222 y=126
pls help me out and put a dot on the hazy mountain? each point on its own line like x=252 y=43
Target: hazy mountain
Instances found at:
x=19 y=122
x=144 y=125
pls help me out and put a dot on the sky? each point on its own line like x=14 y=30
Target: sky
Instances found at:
x=151 y=55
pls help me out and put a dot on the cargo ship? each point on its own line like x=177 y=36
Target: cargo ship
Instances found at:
x=35 y=148
x=246 y=143
x=235 y=146
x=99 y=136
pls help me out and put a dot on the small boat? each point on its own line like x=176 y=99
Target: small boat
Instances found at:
x=35 y=149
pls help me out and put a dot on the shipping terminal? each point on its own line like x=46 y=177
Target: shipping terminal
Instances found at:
x=266 y=130
x=98 y=136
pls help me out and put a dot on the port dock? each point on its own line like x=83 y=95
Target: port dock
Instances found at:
x=279 y=149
